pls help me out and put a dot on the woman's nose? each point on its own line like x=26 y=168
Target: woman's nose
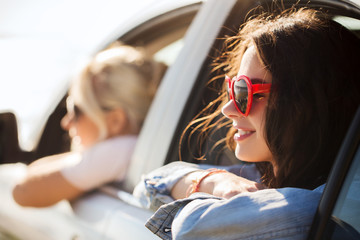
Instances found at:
x=66 y=122
x=229 y=110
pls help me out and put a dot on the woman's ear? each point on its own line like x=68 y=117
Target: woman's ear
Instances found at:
x=117 y=122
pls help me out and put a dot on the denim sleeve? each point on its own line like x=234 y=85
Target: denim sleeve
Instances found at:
x=266 y=214
x=154 y=188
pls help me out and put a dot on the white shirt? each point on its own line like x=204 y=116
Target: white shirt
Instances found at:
x=104 y=162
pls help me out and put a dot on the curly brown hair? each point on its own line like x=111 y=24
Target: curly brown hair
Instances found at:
x=313 y=62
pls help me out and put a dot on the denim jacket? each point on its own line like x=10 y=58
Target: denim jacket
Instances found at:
x=284 y=213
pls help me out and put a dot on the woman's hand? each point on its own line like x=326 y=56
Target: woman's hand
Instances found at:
x=222 y=184
x=227 y=185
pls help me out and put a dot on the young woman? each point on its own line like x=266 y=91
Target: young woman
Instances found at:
x=295 y=91
x=106 y=107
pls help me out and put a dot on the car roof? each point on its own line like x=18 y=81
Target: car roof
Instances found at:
x=43 y=43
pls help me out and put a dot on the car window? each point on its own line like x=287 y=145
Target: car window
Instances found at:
x=161 y=37
x=169 y=53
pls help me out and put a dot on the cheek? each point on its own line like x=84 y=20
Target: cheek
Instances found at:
x=259 y=122
x=255 y=148
x=87 y=133
x=258 y=114
x=259 y=119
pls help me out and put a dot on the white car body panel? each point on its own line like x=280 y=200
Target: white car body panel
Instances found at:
x=170 y=100
x=113 y=217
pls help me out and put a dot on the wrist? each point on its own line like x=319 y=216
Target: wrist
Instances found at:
x=181 y=188
x=200 y=184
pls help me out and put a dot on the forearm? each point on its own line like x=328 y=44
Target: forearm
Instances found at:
x=180 y=189
x=48 y=160
x=44 y=190
x=44 y=184
x=173 y=180
x=154 y=189
x=216 y=182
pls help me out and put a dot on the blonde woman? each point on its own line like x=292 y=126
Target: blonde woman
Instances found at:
x=106 y=107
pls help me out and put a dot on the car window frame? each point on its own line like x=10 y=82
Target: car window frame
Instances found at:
x=156 y=136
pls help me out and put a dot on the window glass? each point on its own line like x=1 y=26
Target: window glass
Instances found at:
x=169 y=53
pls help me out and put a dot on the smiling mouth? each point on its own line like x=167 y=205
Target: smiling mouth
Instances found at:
x=242 y=134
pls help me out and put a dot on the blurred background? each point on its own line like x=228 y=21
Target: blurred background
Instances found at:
x=42 y=43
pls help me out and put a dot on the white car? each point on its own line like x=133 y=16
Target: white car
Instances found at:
x=185 y=35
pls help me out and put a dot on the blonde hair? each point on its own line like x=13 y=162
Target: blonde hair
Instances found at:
x=119 y=77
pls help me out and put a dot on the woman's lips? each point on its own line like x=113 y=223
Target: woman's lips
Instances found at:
x=242 y=134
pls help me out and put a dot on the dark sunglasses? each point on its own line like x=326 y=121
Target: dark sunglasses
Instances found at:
x=241 y=91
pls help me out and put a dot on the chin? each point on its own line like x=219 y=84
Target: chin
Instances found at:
x=241 y=155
